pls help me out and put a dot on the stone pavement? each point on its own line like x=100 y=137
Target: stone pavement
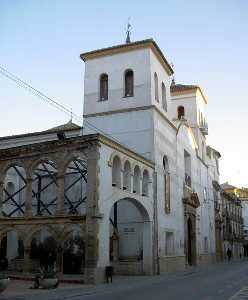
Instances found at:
x=219 y=281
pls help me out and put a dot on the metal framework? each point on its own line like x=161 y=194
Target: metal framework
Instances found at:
x=44 y=185
x=75 y=180
x=44 y=189
x=14 y=202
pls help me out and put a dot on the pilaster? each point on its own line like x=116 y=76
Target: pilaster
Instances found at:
x=28 y=202
x=93 y=274
x=1 y=197
x=60 y=194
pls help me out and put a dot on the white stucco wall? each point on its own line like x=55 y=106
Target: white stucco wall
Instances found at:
x=109 y=195
x=151 y=134
x=133 y=129
x=115 y=66
x=156 y=67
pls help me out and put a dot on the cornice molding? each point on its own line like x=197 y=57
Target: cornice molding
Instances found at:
x=125 y=110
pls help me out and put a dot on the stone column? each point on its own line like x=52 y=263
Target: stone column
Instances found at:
x=122 y=179
x=1 y=197
x=131 y=187
x=60 y=194
x=27 y=261
x=141 y=185
x=28 y=201
x=92 y=274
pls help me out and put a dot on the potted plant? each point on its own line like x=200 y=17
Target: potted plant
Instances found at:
x=47 y=278
x=4 y=282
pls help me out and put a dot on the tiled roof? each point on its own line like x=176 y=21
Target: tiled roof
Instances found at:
x=128 y=47
x=182 y=87
x=64 y=127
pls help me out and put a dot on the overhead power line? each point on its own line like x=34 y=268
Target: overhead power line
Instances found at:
x=38 y=93
x=21 y=83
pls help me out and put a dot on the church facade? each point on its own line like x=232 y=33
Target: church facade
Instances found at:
x=139 y=195
x=165 y=122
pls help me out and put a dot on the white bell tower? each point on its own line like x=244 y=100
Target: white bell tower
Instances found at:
x=123 y=85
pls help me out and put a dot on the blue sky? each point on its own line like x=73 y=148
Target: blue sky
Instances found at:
x=40 y=41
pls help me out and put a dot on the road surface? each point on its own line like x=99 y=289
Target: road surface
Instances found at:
x=225 y=281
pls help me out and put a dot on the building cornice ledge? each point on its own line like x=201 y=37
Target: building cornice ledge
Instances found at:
x=125 y=110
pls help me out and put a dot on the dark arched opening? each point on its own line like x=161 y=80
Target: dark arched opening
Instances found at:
x=130 y=237
x=103 y=87
x=180 y=112
x=129 y=83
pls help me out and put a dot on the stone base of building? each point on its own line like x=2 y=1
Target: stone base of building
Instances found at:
x=127 y=267
x=170 y=264
x=219 y=257
x=94 y=275
x=206 y=259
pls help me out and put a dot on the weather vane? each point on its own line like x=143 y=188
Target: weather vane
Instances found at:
x=128 y=31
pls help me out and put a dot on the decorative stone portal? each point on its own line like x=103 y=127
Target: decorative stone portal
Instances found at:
x=191 y=203
x=191 y=242
x=130 y=238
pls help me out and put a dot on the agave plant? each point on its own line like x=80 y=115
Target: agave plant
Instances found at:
x=49 y=272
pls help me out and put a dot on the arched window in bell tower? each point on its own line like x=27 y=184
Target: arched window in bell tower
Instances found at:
x=180 y=112
x=103 y=87
x=129 y=83
x=164 y=100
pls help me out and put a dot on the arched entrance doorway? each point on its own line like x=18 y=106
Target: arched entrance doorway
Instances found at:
x=191 y=240
x=130 y=237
